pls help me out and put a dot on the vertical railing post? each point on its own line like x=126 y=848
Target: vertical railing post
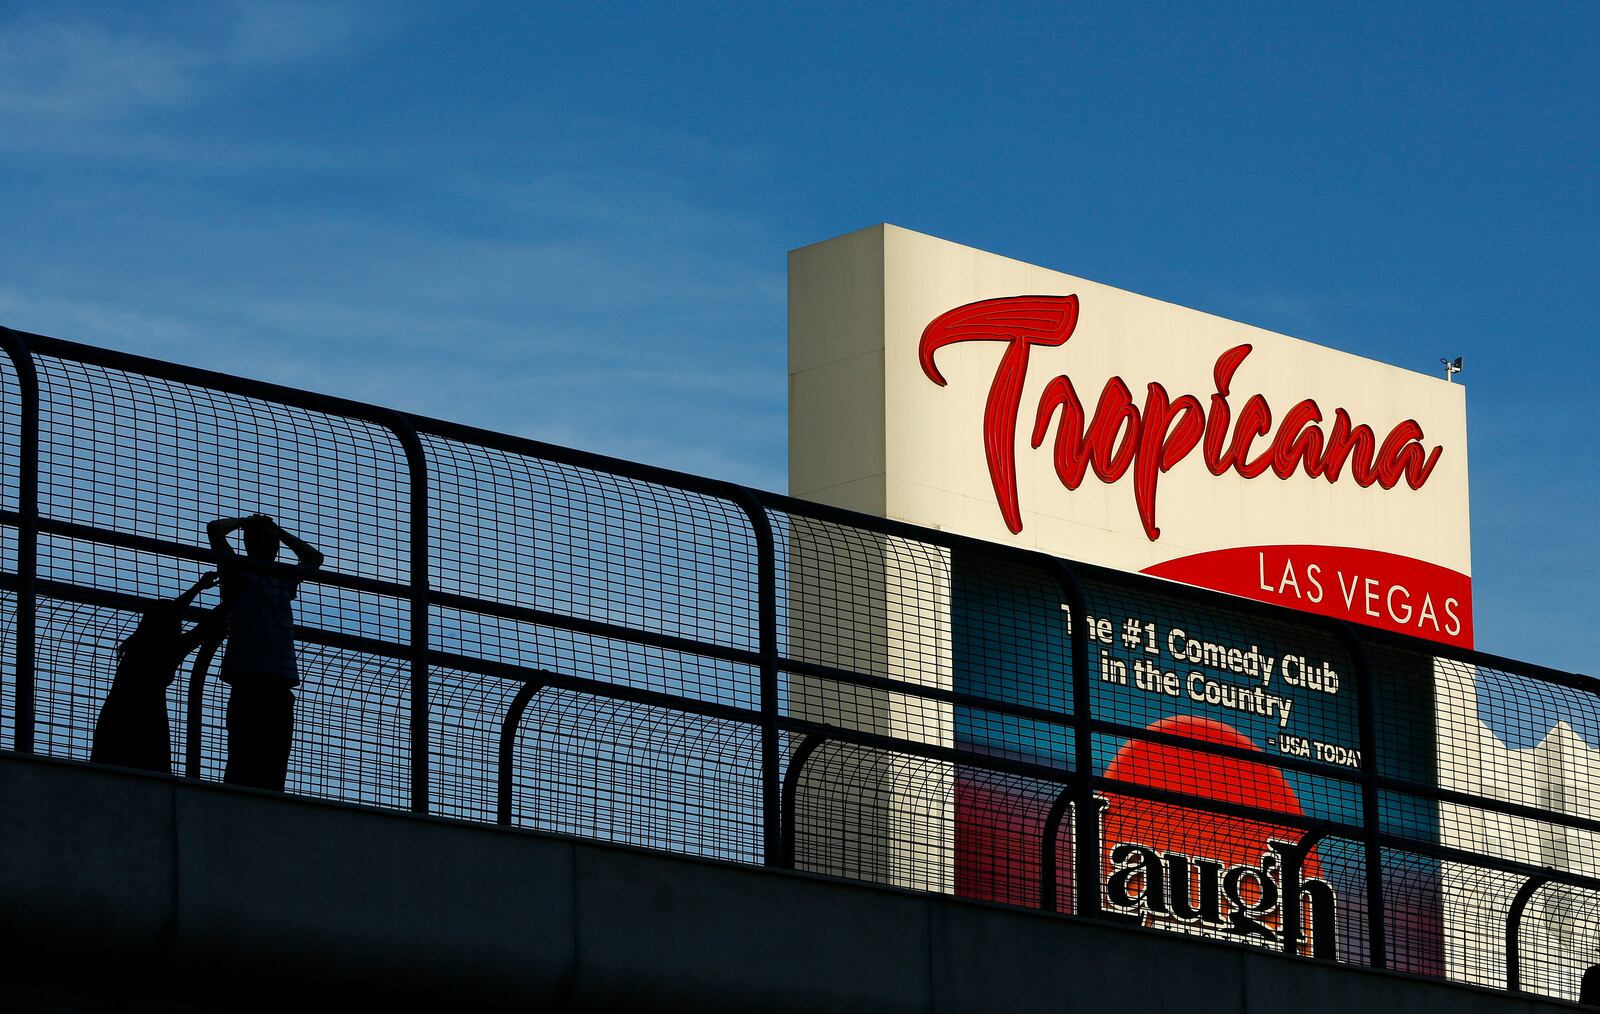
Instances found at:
x=27 y=561
x=417 y=467
x=790 y=789
x=194 y=708
x=1519 y=906
x=1292 y=878
x=506 y=772
x=767 y=621
x=1049 y=855
x=1085 y=810
x=1371 y=809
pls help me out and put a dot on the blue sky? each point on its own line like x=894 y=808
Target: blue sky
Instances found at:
x=570 y=222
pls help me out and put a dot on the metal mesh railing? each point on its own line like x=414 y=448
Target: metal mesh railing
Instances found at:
x=518 y=634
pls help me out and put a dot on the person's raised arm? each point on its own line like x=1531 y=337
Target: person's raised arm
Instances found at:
x=207 y=580
x=209 y=625
x=219 y=530
x=303 y=551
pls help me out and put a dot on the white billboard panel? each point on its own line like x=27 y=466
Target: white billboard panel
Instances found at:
x=952 y=388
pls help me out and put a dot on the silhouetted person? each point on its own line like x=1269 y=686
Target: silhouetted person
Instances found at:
x=132 y=731
x=1589 y=991
x=259 y=663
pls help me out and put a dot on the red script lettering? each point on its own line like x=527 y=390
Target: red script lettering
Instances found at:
x=1153 y=439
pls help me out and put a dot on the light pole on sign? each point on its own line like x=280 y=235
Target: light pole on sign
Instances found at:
x=1451 y=367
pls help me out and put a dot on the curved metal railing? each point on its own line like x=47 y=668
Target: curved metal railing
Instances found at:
x=516 y=633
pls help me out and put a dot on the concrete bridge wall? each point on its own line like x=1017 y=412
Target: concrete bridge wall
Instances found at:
x=120 y=891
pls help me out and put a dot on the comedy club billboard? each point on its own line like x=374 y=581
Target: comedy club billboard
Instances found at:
x=952 y=388
x=955 y=389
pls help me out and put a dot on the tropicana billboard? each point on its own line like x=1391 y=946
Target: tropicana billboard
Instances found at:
x=952 y=388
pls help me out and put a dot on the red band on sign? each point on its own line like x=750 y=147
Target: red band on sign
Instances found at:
x=1360 y=585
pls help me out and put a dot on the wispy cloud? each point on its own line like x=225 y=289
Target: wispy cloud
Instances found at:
x=84 y=67
x=560 y=276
